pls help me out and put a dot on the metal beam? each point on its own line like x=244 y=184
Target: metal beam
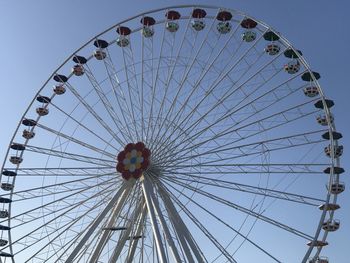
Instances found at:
x=98 y=220
x=139 y=212
x=133 y=246
x=157 y=236
x=116 y=212
x=181 y=228
x=164 y=225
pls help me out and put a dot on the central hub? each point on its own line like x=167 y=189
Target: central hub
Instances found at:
x=133 y=160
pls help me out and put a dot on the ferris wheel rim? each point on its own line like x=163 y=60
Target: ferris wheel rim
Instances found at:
x=331 y=125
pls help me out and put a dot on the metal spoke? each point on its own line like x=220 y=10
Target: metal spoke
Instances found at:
x=282 y=195
x=247 y=211
x=204 y=230
x=125 y=187
x=227 y=225
x=77 y=141
x=285 y=142
x=69 y=116
x=71 y=156
x=94 y=114
x=103 y=98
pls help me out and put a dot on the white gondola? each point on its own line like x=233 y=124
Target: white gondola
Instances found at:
x=331 y=225
x=147 y=31
x=172 y=26
x=338 y=151
x=249 y=36
x=4 y=213
x=272 y=49
x=319 y=260
x=224 y=27
x=28 y=134
x=42 y=111
x=322 y=260
x=198 y=24
x=292 y=67
x=59 y=89
x=16 y=159
x=3 y=242
x=322 y=119
x=123 y=41
x=100 y=54
x=78 y=70
x=311 y=91
x=337 y=188
x=6 y=186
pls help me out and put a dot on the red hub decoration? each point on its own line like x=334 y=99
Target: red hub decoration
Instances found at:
x=133 y=160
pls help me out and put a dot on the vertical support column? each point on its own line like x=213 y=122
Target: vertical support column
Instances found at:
x=116 y=211
x=119 y=248
x=157 y=236
x=179 y=232
x=138 y=232
x=182 y=231
x=164 y=225
x=98 y=220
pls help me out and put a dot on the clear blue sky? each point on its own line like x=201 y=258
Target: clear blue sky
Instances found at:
x=38 y=35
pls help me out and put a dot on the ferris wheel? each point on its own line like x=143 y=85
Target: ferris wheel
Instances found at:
x=183 y=134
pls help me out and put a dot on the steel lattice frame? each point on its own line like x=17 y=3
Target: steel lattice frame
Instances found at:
x=234 y=143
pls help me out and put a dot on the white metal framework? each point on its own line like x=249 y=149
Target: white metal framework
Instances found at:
x=244 y=162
